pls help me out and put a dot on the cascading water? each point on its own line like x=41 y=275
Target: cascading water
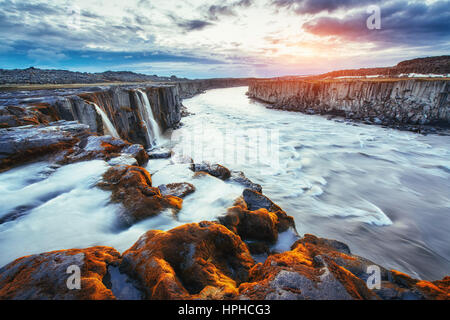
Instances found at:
x=153 y=130
x=107 y=124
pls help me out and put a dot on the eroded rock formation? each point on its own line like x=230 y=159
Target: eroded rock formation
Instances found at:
x=132 y=186
x=381 y=101
x=44 y=276
x=21 y=144
x=194 y=261
x=122 y=106
x=257 y=220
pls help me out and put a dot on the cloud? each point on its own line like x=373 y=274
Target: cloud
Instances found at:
x=317 y=6
x=193 y=25
x=215 y=11
x=43 y=55
x=402 y=23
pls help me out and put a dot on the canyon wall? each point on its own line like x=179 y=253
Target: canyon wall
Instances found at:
x=125 y=109
x=415 y=101
x=190 y=88
x=121 y=111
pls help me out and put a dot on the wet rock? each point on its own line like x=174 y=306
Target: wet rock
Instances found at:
x=239 y=177
x=179 y=190
x=252 y=225
x=341 y=255
x=125 y=159
x=194 y=261
x=215 y=170
x=394 y=285
x=160 y=154
x=95 y=147
x=132 y=186
x=36 y=114
x=259 y=227
x=114 y=150
x=21 y=144
x=403 y=286
x=138 y=152
x=303 y=273
x=255 y=201
x=44 y=276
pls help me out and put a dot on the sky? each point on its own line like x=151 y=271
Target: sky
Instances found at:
x=208 y=38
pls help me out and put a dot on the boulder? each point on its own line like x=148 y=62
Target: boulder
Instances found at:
x=179 y=190
x=160 y=154
x=138 y=152
x=259 y=227
x=303 y=273
x=255 y=200
x=105 y=148
x=132 y=186
x=44 y=276
x=193 y=261
x=239 y=177
x=21 y=144
x=402 y=286
x=123 y=158
x=215 y=170
x=95 y=147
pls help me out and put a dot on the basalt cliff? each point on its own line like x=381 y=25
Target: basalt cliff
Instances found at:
x=381 y=101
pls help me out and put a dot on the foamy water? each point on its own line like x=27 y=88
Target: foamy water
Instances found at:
x=45 y=208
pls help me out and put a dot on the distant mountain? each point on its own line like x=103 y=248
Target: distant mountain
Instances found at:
x=41 y=76
x=430 y=65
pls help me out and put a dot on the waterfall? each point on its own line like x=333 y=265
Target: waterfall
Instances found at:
x=153 y=130
x=107 y=124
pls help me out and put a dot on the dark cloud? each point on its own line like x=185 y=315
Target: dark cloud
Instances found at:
x=215 y=11
x=402 y=23
x=89 y=14
x=193 y=25
x=40 y=9
x=316 y=6
x=244 y=3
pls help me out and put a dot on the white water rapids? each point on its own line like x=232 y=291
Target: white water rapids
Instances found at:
x=383 y=192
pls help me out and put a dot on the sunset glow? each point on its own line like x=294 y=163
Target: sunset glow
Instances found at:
x=206 y=39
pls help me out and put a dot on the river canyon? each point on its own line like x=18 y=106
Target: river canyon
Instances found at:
x=381 y=191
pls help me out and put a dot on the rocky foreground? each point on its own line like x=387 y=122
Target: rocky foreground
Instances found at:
x=205 y=260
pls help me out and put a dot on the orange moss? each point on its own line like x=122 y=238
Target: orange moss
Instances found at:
x=132 y=186
x=26 y=279
x=194 y=261
x=33 y=153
